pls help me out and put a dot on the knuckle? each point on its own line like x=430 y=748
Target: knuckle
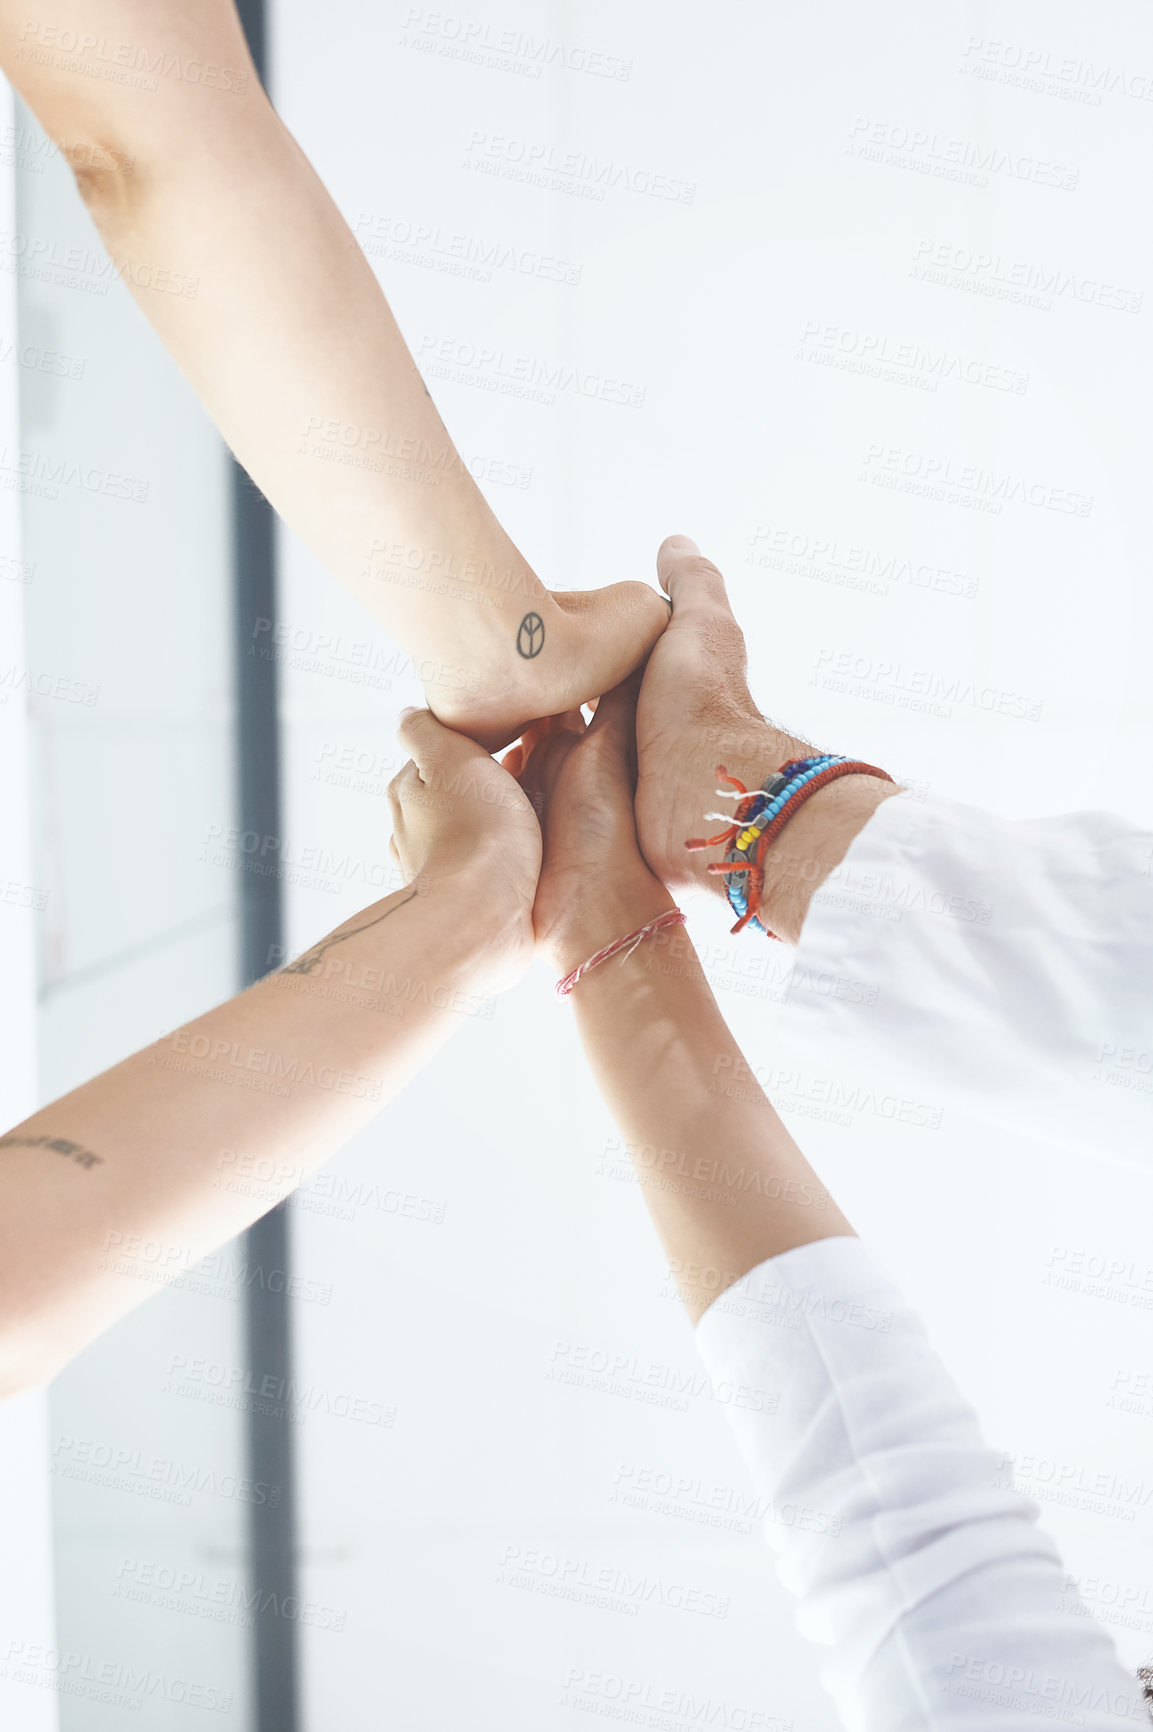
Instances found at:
x=704 y=568
x=698 y=569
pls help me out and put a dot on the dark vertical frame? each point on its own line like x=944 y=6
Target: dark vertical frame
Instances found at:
x=268 y=1326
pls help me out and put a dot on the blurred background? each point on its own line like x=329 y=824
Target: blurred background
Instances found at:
x=872 y=291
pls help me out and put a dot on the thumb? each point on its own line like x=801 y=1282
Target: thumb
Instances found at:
x=689 y=579
x=431 y=746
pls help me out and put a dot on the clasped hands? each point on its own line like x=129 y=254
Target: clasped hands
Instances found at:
x=577 y=837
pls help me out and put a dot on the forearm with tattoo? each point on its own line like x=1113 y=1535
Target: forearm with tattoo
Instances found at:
x=306 y=963
x=59 y=1146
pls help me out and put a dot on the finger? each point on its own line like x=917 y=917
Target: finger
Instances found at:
x=537 y=733
x=404 y=776
x=568 y=722
x=517 y=757
x=616 y=711
x=615 y=726
x=689 y=579
x=392 y=794
x=401 y=782
x=432 y=747
x=542 y=767
x=515 y=760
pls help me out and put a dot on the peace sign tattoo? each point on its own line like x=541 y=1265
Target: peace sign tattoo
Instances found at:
x=530 y=636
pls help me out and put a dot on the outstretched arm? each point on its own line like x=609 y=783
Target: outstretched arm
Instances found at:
x=137 y=1174
x=917 y=1563
x=724 y=1181
x=251 y=278
x=1004 y=948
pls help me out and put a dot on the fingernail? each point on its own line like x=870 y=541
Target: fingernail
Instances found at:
x=408 y=710
x=683 y=544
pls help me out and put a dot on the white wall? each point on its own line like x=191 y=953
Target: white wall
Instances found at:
x=26 y=1614
x=793 y=336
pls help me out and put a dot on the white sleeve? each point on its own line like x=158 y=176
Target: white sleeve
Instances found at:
x=912 y=1556
x=1007 y=965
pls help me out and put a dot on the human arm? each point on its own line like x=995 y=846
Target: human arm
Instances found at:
x=249 y=275
x=1003 y=970
x=726 y=1184
x=978 y=952
x=913 y=1558
x=695 y=712
x=134 y=1175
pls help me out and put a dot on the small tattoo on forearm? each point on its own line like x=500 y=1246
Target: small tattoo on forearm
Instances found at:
x=59 y=1145
x=530 y=636
x=306 y=963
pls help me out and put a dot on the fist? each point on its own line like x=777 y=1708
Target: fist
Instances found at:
x=594 y=886
x=465 y=831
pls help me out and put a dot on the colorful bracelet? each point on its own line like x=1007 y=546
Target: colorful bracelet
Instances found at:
x=759 y=819
x=670 y=917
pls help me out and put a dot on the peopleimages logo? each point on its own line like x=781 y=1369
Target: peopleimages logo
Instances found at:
x=507 y=50
x=997 y=488
x=1018 y=280
x=116 y=1683
x=925 y=689
x=619 y=1698
x=457 y=253
x=118 y=62
x=301 y=1399
x=1035 y=67
x=543 y=381
x=539 y=163
x=605 y=1586
x=214 y=1597
x=126 y=1469
x=929 y=152
x=1038 y=1692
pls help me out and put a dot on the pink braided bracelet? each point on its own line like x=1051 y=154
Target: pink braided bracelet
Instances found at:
x=670 y=917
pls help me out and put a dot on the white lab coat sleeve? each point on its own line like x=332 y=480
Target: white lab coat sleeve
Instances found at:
x=1002 y=966
x=914 y=1560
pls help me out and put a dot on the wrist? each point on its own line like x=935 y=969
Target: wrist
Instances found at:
x=813 y=842
x=475 y=926
x=812 y=845
x=630 y=901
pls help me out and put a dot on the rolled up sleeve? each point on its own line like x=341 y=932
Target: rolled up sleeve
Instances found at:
x=913 y=1559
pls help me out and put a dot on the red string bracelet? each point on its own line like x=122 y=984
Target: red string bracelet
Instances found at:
x=670 y=917
x=757 y=846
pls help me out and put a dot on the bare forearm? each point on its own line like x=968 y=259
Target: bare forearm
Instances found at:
x=250 y=276
x=242 y=263
x=292 y=347
x=186 y=1143
x=725 y=1183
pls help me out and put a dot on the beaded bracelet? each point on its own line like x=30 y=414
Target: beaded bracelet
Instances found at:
x=759 y=819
